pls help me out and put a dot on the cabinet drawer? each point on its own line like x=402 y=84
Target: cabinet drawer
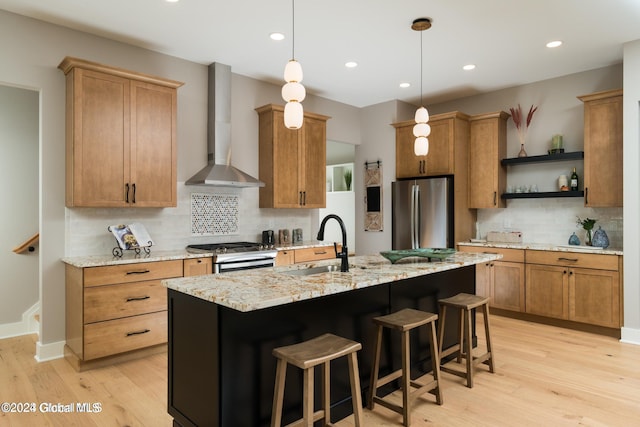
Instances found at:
x=127 y=299
x=120 y=335
x=508 y=255
x=315 y=254
x=127 y=273
x=573 y=259
x=286 y=257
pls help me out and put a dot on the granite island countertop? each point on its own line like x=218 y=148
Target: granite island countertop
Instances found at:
x=250 y=290
x=545 y=247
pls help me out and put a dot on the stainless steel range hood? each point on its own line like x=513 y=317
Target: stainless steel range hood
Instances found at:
x=219 y=171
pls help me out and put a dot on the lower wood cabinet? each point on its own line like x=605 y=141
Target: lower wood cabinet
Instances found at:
x=502 y=281
x=579 y=287
x=316 y=253
x=559 y=285
x=120 y=311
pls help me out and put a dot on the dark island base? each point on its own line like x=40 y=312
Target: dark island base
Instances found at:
x=222 y=372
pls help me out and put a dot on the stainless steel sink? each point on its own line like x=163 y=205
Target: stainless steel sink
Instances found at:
x=313 y=270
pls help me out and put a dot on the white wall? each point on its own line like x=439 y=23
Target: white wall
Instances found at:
x=19 y=165
x=631 y=329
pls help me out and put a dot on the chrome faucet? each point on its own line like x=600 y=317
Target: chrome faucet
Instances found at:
x=344 y=266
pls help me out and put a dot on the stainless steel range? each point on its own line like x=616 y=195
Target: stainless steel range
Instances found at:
x=235 y=256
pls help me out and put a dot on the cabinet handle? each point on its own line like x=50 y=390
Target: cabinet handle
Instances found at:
x=199 y=261
x=568 y=259
x=586 y=196
x=495 y=195
x=564 y=272
x=571 y=273
x=134 y=193
x=144 y=331
x=138 y=272
x=300 y=198
x=304 y=198
x=129 y=299
x=320 y=253
x=126 y=198
x=490 y=253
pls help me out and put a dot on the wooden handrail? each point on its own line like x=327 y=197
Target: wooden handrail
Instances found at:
x=28 y=245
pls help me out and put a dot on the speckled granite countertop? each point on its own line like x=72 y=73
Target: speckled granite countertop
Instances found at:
x=250 y=290
x=545 y=247
x=129 y=257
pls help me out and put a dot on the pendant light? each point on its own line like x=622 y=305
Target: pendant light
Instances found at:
x=293 y=92
x=421 y=129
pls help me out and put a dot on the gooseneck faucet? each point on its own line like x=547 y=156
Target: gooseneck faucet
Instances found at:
x=344 y=266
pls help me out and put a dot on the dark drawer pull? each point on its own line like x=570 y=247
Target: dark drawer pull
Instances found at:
x=129 y=299
x=138 y=272
x=490 y=253
x=129 y=334
x=568 y=259
x=320 y=253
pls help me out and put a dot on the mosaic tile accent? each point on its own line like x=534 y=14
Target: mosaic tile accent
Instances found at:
x=214 y=214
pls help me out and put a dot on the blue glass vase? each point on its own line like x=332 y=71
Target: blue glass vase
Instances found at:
x=600 y=238
x=574 y=240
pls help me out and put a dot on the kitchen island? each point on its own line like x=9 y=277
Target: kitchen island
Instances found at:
x=223 y=328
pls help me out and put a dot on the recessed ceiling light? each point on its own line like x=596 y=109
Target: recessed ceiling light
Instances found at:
x=351 y=64
x=554 y=43
x=404 y=85
x=276 y=36
x=172 y=1
x=469 y=67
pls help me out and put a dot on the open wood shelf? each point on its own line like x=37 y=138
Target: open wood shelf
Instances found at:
x=541 y=195
x=577 y=155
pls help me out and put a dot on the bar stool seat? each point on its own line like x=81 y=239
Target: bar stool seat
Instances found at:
x=466 y=303
x=306 y=356
x=404 y=321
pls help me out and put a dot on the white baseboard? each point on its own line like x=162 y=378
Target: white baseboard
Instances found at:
x=28 y=324
x=45 y=352
x=630 y=336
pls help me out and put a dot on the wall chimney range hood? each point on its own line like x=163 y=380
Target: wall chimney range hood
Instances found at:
x=219 y=171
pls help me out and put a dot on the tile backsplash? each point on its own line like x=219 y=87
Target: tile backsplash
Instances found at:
x=551 y=220
x=172 y=228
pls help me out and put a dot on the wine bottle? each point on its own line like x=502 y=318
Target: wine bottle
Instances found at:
x=574 y=180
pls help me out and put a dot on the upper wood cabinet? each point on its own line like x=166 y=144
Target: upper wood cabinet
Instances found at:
x=120 y=137
x=292 y=162
x=603 y=148
x=487 y=146
x=448 y=141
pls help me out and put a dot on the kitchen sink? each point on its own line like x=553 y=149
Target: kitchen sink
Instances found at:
x=313 y=270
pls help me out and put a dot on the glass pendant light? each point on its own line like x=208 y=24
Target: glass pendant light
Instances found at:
x=421 y=130
x=293 y=92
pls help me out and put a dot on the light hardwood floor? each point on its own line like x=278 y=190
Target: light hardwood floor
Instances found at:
x=546 y=376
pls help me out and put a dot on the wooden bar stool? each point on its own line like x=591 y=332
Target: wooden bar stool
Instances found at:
x=466 y=303
x=404 y=321
x=306 y=355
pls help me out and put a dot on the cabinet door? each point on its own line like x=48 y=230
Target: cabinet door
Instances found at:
x=594 y=297
x=483 y=279
x=408 y=165
x=287 y=164
x=153 y=146
x=507 y=290
x=198 y=267
x=98 y=155
x=285 y=257
x=603 y=151
x=487 y=146
x=313 y=177
x=440 y=157
x=547 y=291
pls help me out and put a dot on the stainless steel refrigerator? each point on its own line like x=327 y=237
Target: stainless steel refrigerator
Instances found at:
x=422 y=213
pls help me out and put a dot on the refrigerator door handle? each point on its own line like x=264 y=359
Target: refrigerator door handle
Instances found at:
x=415 y=217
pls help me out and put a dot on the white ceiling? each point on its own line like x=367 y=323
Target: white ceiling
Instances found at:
x=504 y=38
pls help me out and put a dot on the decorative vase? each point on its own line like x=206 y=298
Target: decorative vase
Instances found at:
x=600 y=238
x=522 y=152
x=574 y=240
x=589 y=241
